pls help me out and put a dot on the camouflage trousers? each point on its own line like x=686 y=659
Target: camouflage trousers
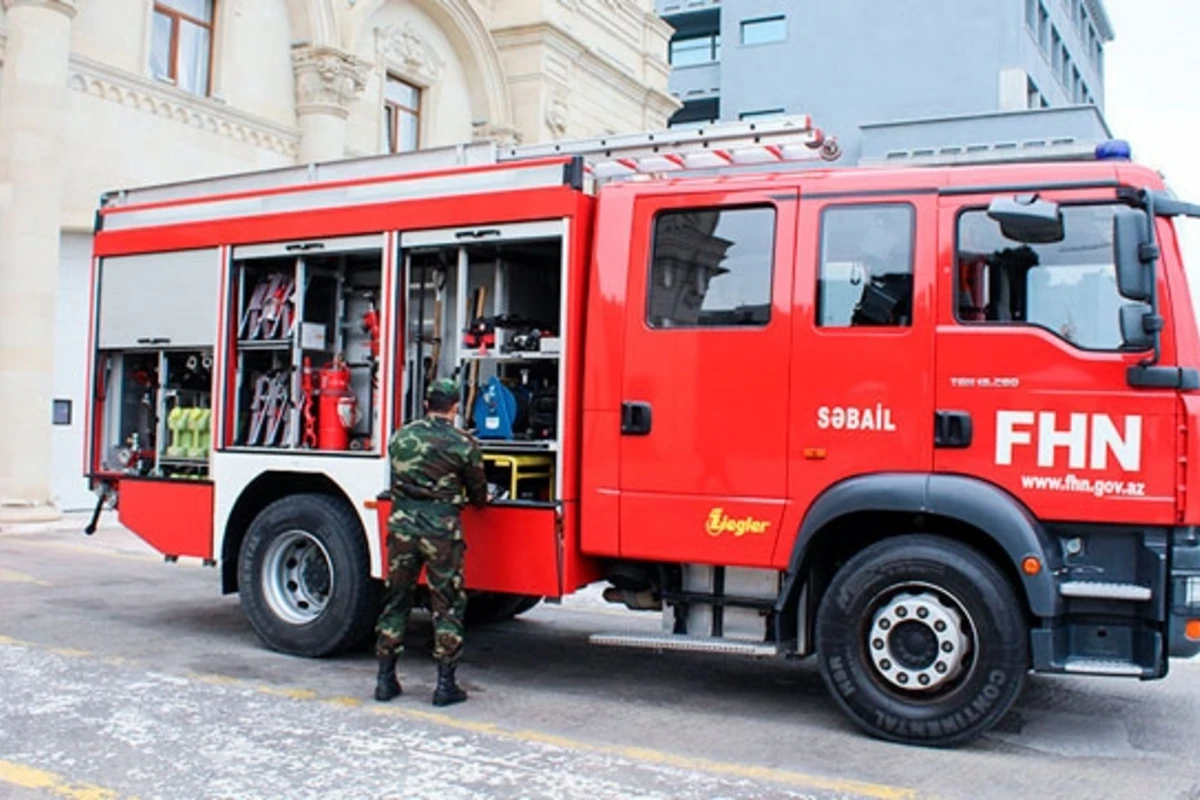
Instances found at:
x=442 y=559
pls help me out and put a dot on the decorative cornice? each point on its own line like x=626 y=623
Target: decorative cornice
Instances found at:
x=328 y=80
x=69 y=8
x=502 y=135
x=151 y=97
x=404 y=49
x=573 y=51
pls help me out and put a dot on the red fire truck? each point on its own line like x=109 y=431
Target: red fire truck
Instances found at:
x=934 y=425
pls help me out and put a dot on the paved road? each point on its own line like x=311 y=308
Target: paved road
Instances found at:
x=121 y=676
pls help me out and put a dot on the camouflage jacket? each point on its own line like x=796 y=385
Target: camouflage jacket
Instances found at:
x=433 y=464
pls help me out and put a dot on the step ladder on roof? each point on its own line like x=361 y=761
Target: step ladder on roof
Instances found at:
x=781 y=140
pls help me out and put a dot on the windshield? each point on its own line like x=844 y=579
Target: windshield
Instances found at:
x=1187 y=229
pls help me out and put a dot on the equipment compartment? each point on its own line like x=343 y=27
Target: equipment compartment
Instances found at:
x=490 y=314
x=307 y=351
x=154 y=409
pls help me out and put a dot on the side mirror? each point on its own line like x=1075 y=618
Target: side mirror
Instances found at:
x=1139 y=323
x=1026 y=219
x=1133 y=253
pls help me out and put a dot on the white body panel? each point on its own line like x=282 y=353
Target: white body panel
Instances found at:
x=360 y=479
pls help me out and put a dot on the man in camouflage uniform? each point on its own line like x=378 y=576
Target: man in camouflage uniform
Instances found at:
x=433 y=464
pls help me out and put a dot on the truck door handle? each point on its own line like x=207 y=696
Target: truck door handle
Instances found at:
x=635 y=419
x=952 y=429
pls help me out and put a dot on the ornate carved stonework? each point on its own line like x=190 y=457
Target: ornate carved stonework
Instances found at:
x=558 y=112
x=105 y=83
x=403 y=48
x=327 y=80
x=502 y=135
x=68 y=7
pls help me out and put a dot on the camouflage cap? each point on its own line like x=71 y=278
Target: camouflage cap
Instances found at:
x=443 y=386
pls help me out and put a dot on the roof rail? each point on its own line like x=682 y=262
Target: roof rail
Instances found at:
x=1065 y=148
x=721 y=145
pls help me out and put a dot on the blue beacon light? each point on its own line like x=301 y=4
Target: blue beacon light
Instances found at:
x=1114 y=150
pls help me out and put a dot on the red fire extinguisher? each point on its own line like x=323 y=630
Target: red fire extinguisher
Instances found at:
x=338 y=407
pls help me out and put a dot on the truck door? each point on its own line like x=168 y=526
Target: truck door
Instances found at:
x=703 y=457
x=1031 y=377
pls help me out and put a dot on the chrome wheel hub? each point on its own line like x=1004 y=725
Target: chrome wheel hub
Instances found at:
x=918 y=642
x=297 y=577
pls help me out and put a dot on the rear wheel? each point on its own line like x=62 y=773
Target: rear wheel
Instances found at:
x=485 y=608
x=304 y=576
x=921 y=640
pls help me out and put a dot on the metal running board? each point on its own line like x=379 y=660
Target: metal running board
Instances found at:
x=1100 y=666
x=696 y=644
x=1104 y=591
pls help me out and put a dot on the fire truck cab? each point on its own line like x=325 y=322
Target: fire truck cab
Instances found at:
x=933 y=425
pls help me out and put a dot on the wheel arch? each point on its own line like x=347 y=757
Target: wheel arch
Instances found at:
x=859 y=511
x=265 y=489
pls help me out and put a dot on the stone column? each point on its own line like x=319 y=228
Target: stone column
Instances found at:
x=327 y=81
x=33 y=101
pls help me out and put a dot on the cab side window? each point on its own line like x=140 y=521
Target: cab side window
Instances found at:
x=1067 y=287
x=711 y=267
x=866 y=272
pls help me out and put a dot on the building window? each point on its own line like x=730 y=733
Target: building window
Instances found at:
x=866 y=266
x=1043 y=32
x=1066 y=70
x=1034 y=96
x=1031 y=15
x=181 y=45
x=766 y=112
x=695 y=50
x=711 y=267
x=402 y=116
x=1067 y=287
x=764 y=30
x=697 y=112
x=1056 y=48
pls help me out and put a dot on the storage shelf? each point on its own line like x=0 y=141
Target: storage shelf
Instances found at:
x=535 y=355
x=517 y=444
x=264 y=344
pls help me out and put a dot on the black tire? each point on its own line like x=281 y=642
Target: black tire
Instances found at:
x=487 y=608
x=309 y=530
x=967 y=691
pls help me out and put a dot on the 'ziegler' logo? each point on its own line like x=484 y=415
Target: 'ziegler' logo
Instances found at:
x=1088 y=440
x=719 y=522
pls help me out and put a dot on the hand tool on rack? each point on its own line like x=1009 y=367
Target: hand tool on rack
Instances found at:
x=258 y=408
x=277 y=310
x=253 y=311
x=277 y=408
x=473 y=369
x=309 y=437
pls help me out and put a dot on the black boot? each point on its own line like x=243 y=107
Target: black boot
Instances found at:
x=447 y=691
x=386 y=685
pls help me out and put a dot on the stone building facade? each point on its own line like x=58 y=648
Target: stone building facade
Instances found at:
x=100 y=94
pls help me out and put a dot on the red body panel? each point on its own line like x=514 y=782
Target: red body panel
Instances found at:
x=739 y=447
x=707 y=458
x=508 y=549
x=174 y=517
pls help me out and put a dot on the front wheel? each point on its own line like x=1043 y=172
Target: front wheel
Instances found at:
x=921 y=640
x=304 y=576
